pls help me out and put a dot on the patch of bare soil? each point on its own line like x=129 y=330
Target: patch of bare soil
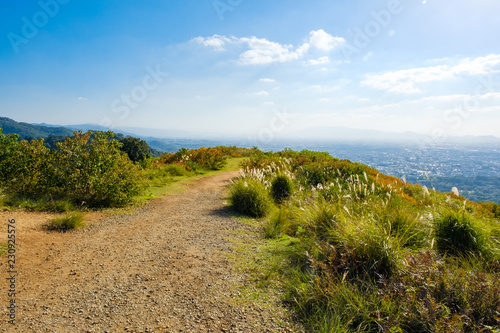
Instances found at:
x=163 y=268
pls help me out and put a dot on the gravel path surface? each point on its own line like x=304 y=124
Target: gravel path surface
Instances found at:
x=162 y=268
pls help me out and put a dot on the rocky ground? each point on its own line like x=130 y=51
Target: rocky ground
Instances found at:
x=162 y=268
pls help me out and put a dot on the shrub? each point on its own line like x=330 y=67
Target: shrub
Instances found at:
x=281 y=188
x=249 y=197
x=208 y=158
x=25 y=167
x=136 y=149
x=67 y=222
x=93 y=171
x=456 y=235
x=176 y=170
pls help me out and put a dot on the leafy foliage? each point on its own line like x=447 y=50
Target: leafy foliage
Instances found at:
x=136 y=149
x=207 y=158
x=93 y=171
x=87 y=169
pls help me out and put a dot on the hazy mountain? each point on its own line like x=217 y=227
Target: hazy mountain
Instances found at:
x=345 y=134
x=26 y=130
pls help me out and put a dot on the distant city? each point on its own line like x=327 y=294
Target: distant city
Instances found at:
x=473 y=169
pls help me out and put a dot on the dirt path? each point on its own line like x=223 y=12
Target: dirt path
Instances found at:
x=163 y=268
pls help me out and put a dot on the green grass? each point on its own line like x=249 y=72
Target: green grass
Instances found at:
x=281 y=188
x=250 y=197
x=363 y=252
x=4 y=246
x=44 y=203
x=67 y=222
x=456 y=234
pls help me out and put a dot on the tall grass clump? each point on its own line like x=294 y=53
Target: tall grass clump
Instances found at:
x=250 y=197
x=457 y=235
x=66 y=223
x=276 y=224
x=281 y=188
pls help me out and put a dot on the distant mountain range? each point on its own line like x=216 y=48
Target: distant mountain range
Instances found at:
x=26 y=130
x=172 y=140
x=339 y=134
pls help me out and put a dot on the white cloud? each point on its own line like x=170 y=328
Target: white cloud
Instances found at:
x=324 y=41
x=262 y=93
x=319 y=61
x=262 y=51
x=81 y=98
x=491 y=95
x=406 y=81
x=267 y=80
x=216 y=41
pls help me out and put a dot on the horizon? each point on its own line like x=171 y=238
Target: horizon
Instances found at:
x=254 y=69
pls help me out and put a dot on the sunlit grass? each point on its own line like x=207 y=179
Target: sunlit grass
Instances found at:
x=67 y=222
x=367 y=253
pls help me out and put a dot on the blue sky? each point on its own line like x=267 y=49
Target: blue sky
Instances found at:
x=241 y=67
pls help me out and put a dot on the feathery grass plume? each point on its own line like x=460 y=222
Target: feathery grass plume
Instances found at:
x=455 y=191
x=426 y=190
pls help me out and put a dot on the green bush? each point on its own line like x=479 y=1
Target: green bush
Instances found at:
x=91 y=170
x=281 y=188
x=65 y=223
x=25 y=167
x=176 y=170
x=249 y=197
x=136 y=149
x=456 y=235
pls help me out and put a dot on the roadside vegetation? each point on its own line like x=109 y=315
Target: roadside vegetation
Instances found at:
x=67 y=222
x=359 y=251
x=95 y=170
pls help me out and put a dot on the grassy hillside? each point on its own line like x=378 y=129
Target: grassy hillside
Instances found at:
x=358 y=251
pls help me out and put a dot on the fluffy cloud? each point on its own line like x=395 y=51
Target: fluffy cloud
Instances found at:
x=406 y=81
x=261 y=51
x=324 y=41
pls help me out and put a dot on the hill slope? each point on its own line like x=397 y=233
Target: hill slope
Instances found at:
x=26 y=130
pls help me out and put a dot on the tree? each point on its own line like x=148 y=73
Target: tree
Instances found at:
x=136 y=149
